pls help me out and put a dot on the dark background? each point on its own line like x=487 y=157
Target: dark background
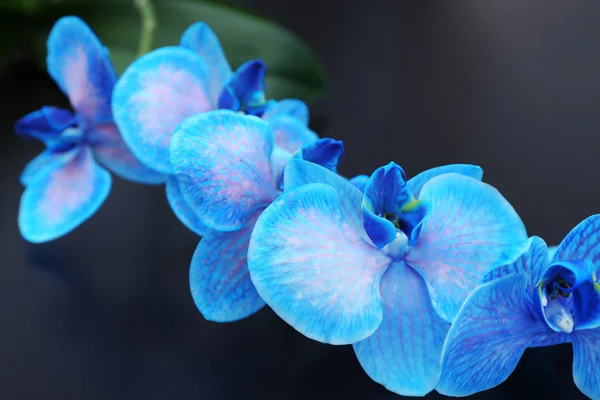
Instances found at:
x=105 y=312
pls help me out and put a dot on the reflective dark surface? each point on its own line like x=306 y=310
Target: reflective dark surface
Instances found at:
x=105 y=312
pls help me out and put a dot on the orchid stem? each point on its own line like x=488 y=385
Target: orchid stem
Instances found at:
x=148 y=20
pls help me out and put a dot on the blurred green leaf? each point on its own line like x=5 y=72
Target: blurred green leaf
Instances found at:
x=293 y=69
x=24 y=6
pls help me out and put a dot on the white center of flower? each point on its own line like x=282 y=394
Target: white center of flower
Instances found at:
x=397 y=247
x=557 y=314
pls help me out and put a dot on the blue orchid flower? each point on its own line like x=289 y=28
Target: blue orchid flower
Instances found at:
x=386 y=270
x=67 y=183
x=530 y=302
x=229 y=169
x=166 y=86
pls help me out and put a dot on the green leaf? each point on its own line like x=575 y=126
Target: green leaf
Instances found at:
x=22 y=6
x=293 y=69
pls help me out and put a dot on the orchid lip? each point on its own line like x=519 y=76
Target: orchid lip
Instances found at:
x=567 y=296
x=557 y=304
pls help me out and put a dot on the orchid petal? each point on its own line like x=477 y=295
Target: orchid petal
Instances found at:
x=380 y=230
x=81 y=67
x=219 y=277
x=279 y=160
x=288 y=108
x=154 y=95
x=533 y=261
x=404 y=354
x=316 y=272
x=200 y=38
x=488 y=337
x=45 y=124
x=300 y=172
x=179 y=206
x=44 y=160
x=62 y=197
x=325 y=152
x=222 y=161
x=582 y=243
x=245 y=89
x=586 y=362
x=360 y=181
x=552 y=251
x=415 y=184
x=110 y=149
x=291 y=134
x=471 y=227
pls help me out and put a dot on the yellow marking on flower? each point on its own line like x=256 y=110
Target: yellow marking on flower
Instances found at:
x=596 y=285
x=368 y=204
x=258 y=101
x=411 y=205
x=539 y=290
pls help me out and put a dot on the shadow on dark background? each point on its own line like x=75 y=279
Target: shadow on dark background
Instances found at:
x=105 y=312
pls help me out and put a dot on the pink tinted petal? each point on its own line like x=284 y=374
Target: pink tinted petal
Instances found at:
x=47 y=159
x=200 y=38
x=154 y=95
x=222 y=161
x=110 y=149
x=81 y=67
x=300 y=172
x=314 y=270
x=279 y=159
x=290 y=133
x=59 y=199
